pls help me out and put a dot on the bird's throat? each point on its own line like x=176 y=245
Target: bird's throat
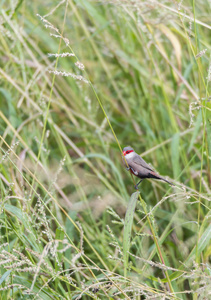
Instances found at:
x=129 y=155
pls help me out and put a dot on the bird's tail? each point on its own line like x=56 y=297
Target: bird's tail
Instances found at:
x=161 y=178
x=156 y=176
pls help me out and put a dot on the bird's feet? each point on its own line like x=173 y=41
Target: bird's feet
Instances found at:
x=128 y=169
x=136 y=187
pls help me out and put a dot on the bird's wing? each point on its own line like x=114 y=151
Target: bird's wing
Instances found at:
x=139 y=161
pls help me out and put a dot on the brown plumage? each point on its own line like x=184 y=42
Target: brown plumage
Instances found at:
x=139 y=167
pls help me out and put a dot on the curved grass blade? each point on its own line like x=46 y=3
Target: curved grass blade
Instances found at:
x=127 y=228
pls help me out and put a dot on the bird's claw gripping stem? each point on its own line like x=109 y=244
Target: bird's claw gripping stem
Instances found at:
x=128 y=169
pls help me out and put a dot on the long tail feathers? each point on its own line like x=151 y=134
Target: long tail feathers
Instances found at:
x=167 y=181
x=156 y=176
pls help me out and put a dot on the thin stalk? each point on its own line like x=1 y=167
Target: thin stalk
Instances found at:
x=49 y=101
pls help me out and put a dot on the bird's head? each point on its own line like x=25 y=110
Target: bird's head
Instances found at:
x=127 y=150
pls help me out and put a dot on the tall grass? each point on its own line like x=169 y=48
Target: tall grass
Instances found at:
x=79 y=81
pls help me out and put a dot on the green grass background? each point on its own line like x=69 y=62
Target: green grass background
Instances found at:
x=71 y=225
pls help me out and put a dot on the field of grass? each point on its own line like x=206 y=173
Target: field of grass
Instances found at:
x=80 y=80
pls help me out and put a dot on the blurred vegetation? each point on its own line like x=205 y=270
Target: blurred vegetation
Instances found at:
x=79 y=80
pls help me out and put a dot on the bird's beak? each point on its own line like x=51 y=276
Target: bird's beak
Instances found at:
x=124 y=152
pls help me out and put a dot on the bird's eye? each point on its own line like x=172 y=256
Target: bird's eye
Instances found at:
x=127 y=152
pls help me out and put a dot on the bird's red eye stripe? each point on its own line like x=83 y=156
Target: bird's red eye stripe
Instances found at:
x=127 y=152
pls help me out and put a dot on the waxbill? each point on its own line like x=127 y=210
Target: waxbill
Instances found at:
x=139 y=167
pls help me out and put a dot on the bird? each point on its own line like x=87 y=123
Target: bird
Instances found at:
x=138 y=167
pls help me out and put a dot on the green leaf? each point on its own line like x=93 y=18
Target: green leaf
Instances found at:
x=45 y=293
x=133 y=62
x=59 y=236
x=182 y=86
x=11 y=113
x=92 y=11
x=4 y=276
x=175 y=155
x=205 y=239
x=128 y=228
x=208 y=123
x=196 y=130
x=15 y=211
x=71 y=232
x=203 y=242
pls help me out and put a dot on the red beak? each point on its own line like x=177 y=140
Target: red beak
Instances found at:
x=124 y=152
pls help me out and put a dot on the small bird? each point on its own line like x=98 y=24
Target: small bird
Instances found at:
x=139 y=167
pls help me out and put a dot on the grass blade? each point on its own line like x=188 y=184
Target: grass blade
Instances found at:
x=128 y=227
